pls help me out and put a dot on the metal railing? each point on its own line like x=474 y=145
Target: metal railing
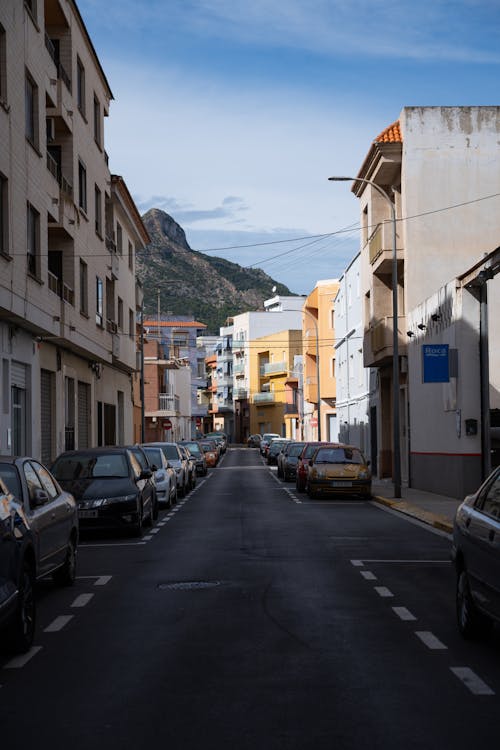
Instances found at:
x=263 y=398
x=271 y=368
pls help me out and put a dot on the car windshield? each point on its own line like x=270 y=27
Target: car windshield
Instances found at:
x=295 y=450
x=68 y=468
x=207 y=447
x=154 y=455
x=338 y=456
x=171 y=452
x=140 y=457
x=11 y=478
x=193 y=448
x=309 y=451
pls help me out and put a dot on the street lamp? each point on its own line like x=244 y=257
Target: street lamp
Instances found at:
x=395 y=339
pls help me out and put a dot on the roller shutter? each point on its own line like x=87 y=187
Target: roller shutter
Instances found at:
x=83 y=414
x=46 y=415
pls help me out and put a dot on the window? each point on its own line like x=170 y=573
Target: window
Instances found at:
x=31 y=110
x=119 y=238
x=130 y=256
x=99 y=301
x=33 y=240
x=98 y=211
x=3 y=64
x=80 y=86
x=490 y=501
x=97 y=121
x=84 y=293
x=120 y=314
x=4 y=212
x=82 y=186
x=131 y=324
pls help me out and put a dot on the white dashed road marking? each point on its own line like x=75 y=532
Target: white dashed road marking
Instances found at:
x=19 y=661
x=357 y=563
x=102 y=580
x=472 y=681
x=383 y=591
x=58 y=624
x=404 y=614
x=430 y=640
x=82 y=600
x=368 y=575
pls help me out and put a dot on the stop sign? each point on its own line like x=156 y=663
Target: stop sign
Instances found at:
x=167 y=424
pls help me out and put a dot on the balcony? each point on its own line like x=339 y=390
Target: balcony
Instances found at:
x=380 y=248
x=274 y=368
x=238 y=346
x=264 y=399
x=240 y=394
x=168 y=403
x=291 y=410
x=377 y=344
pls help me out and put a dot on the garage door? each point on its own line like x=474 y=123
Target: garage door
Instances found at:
x=46 y=415
x=83 y=414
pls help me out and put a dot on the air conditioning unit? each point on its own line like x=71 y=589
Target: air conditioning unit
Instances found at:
x=51 y=129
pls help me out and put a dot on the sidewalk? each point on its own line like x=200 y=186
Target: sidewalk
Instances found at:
x=436 y=510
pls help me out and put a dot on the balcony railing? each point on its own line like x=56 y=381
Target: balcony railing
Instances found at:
x=168 y=403
x=291 y=409
x=271 y=368
x=263 y=398
x=54 y=283
x=239 y=368
x=240 y=394
x=68 y=294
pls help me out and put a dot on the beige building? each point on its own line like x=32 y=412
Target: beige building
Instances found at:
x=318 y=337
x=69 y=231
x=438 y=166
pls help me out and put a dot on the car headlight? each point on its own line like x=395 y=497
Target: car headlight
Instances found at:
x=120 y=499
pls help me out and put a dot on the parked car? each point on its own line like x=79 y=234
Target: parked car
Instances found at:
x=265 y=440
x=211 y=453
x=288 y=460
x=145 y=463
x=253 y=441
x=178 y=462
x=275 y=447
x=191 y=466
x=17 y=574
x=338 y=469
x=220 y=438
x=196 y=450
x=51 y=513
x=111 y=488
x=476 y=555
x=163 y=474
x=303 y=464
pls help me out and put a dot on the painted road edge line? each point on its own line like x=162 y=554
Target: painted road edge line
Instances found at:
x=58 y=624
x=82 y=600
x=383 y=591
x=19 y=661
x=471 y=681
x=430 y=640
x=404 y=614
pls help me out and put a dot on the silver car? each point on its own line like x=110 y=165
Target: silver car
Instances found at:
x=163 y=474
x=476 y=554
x=52 y=516
x=178 y=462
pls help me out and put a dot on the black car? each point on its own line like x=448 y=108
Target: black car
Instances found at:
x=110 y=487
x=196 y=451
x=476 y=554
x=275 y=448
x=146 y=463
x=17 y=574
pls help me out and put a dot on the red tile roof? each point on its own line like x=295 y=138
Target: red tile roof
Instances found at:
x=392 y=134
x=174 y=324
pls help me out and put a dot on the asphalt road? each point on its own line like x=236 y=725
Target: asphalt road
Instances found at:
x=254 y=618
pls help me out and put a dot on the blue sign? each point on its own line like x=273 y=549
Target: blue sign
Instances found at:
x=435 y=363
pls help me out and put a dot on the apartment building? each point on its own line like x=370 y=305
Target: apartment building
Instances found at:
x=438 y=169
x=318 y=339
x=69 y=231
x=352 y=378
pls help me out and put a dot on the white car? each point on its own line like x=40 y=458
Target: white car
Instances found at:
x=163 y=475
x=177 y=461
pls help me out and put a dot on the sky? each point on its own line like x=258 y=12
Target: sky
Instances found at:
x=230 y=115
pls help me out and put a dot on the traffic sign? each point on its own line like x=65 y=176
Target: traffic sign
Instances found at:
x=167 y=424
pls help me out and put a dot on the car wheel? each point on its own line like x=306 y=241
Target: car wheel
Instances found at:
x=149 y=520
x=138 y=527
x=194 y=481
x=182 y=491
x=22 y=629
x=66 y=574
x=311 y=493
x=156 y=508
x=471 y=622
x=173 y=497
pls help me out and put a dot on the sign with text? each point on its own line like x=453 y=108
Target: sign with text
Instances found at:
x=435 y=363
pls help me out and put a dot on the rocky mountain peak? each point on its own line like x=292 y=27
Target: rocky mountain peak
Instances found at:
x=161 y=226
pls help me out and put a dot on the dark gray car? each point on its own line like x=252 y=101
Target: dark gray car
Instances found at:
x=476 y=554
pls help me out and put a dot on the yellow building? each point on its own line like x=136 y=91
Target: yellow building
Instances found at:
x=272 y=406
x=318 y=336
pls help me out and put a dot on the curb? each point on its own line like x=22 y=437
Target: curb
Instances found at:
x=407 y=509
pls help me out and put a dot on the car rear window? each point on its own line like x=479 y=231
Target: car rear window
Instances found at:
x=11 y=478
x=68 y=468
x=338 y=456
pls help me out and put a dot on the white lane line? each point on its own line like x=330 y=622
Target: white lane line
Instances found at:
x=357 y=563
x=383 y=591
x=58 y=624
x=103 y=580
x=368 y=575
x=147 y=538
x=471 y=681
x=112 y=544
x=82 y=600
x=430 y=640
x=19 y=661
x=398 y=562
x=155 y=531
x=404 y=614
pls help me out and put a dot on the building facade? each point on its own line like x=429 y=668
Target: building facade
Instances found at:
x=69 y=231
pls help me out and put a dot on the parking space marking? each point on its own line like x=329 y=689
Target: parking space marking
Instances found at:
x=20 y=661
x=82 y=600
x=103 y=580
x=357 y=563
x=58 y=624
x=114 y=544
x=471 y=681
x=383 y=591
x=404 y=614
x=155 y=531
x=147 y=538
x=368 y=575
x=430 y=640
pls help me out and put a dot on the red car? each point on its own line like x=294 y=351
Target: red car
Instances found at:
x=302 y=464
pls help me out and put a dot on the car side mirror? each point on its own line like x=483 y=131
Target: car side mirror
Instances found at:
x=154 y=467
x=368 y=463
x=39 y=497
x=146 y=474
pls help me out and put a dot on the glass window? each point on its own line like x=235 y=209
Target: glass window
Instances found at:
x=46 y=480
x=490 y=501
x=98 y=210
x=33 y=239
x=3 y=64
x=82 y=186
x=97 y=121
x=140 y=457
x=31 y=110
x=338 y=456
x=136 y=467
x=99 y=301
x=32 y=480
x=4 y=213
x=171 y=452
x=80 y=86
x=9 y=474
x=155 y=456
x=84 y=301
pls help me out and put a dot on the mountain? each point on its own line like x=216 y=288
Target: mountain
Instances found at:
x=192 y=283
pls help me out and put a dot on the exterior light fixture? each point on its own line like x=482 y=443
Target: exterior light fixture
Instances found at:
x=409 y=334
x=422 y=326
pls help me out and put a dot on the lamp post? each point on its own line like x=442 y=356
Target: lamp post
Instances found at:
x=395 y=339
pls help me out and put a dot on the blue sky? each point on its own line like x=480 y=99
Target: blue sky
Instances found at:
x=230 y=115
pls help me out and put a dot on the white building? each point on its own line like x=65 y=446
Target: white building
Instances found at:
x=353 y=379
